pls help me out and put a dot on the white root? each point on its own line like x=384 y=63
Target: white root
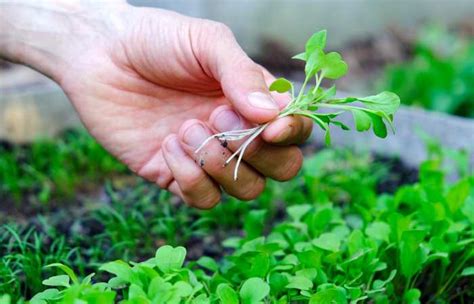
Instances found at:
x=233 y=136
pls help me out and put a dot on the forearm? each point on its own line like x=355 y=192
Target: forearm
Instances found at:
x=46 y=35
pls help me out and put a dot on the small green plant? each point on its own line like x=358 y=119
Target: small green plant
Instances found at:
x=369 y=112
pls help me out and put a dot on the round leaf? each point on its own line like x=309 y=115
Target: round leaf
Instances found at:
x=168 y=258
x=227 y=295
x=281 y=85
x=254 y=290
x=333 y=67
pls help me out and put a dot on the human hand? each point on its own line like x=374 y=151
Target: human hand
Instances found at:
x=151 y=85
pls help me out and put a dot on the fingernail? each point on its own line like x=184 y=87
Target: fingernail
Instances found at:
x=195 y=135
x=227 y=120
x=263 y=101
x=173 y=147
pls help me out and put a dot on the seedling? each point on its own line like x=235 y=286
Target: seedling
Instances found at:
x=325 y=237
x=374 y=111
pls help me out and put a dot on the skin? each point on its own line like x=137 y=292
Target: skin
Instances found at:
x=151 y=85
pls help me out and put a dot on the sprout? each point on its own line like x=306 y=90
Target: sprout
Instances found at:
x=374 y=111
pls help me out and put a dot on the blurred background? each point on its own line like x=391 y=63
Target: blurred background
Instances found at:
x=421 y=49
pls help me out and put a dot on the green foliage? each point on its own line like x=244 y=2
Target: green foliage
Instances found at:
x=372 y=111
x=440 y=75
x=24 y=254
x=54 y=167
x=412 y=246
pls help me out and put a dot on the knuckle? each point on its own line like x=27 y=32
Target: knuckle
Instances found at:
x=307 y=129
x=290 y=168
x=164 y=179
x=208 y=202
x=223 y=29
x=253 y=189
x=192 y=182
x=217 y=29
x=296 y=126
x=253 y=149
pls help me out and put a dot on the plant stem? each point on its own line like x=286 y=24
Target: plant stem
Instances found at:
x=464 y=259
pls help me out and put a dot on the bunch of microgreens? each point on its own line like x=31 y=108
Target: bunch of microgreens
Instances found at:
x=372 y=111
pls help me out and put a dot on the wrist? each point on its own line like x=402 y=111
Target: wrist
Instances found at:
x=49 y=35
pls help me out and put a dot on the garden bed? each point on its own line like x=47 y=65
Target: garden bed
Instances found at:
x=350 y=226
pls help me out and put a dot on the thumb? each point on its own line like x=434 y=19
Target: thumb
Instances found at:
x=242 y=80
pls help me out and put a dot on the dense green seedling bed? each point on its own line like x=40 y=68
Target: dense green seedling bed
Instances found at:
x=53 y=167
x=326 y=237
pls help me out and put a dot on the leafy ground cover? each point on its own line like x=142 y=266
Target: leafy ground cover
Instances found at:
x=349 y=228
x=45 y=167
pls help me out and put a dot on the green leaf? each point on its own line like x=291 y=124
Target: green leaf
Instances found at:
x=309 y=273
x=386 y=102
x=281 y=85
x=169 y=258
x=468 y=209
x=157 y=287
x=412 y=296
x=201 y=299
x=226 y=294
x=277 y=281
x=300 y=56
x=378 y=230
x=254 y=290
x=316 y=42
x=362 y=120
x=457 y=195
x=327 y=94
x=46 y=295
x=329 y=296
x=136 y=292
x=412 y=255
x=297 y=212
x=59 y=280
x=328 y=241
x=314 y=63
x=333 y=67
x=120 y=269
x=327 y=137
x=5 y=299
x=468 y=271
x=208 y=263
x=183 y=289
x=378 y=125
x=67 y=270
x=340 y=125
x=381 y=283
x=299 y=282
x=254 y=223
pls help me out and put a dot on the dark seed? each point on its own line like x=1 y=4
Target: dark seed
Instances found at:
x=224 y=143
x=201 y=162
